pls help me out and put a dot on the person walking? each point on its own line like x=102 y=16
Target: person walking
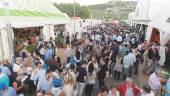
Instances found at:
x=81 y=79
x=118 y=67
x=103 y=74
x=91 y=75
x=68 y=53
x=46 y=82
x=68 y=86
x=128 y=88
x=128 y=62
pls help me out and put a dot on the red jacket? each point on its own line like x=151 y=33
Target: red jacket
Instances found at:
x=123 y=87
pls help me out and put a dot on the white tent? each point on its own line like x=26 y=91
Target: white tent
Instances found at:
x=156 y=14
x=146 y=10
x=162 y=22
x=27 y=13
x=80 y=24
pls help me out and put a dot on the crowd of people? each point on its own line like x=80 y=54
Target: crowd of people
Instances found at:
x=103 y=52
x=26 y=36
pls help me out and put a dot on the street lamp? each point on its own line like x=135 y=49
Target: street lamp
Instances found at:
x=74 y=17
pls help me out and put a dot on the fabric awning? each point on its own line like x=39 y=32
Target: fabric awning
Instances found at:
x=29 y=13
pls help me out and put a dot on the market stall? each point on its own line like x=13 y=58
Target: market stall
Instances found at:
x=27 y=13
x=27 y=36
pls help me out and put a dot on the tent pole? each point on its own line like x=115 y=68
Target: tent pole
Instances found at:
x=147 y=16
x=10 y=35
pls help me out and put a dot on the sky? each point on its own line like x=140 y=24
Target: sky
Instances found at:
x=86 y=2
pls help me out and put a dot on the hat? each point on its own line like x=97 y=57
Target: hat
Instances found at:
x=2 y=85
x=73 y=61
x=45 y=66
x=119 y=39
x=57 y=82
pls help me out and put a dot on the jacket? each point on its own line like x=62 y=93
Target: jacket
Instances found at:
x=123 y=87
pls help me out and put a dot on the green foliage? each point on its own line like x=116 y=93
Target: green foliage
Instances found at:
x=17 y=50
x=31 y=48
x=80 y=11
x=113 y=10
x=60 y=42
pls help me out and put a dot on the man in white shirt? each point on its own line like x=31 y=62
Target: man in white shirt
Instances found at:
x=46 y=82
x=97 y=37
x=155 y=81
x=128 y=63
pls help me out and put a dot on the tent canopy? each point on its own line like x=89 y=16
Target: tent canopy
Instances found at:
x=25 y=13
x=162 y=22
x=146 y=10
x=162 y=19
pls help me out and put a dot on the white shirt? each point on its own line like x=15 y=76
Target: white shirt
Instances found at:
x=114 y=37
x=129 y=92
x=45 y=84
x=56 y=91
x=34 y=75
x=119 y=38
x=129 y=60
x=84 y=30
x=68 y=52
x=133 y=40
x=92 y=37
x=17 y=68
x=149 y=94
x=154 y=81
x=38 y=75
x=97 y=37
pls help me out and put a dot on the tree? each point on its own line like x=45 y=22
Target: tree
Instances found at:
x=68 y=8
x=84 y=12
